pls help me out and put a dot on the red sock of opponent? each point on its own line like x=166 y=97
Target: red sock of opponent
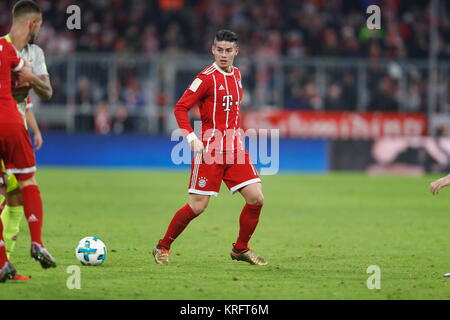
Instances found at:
x=179 y=222
x=32 y=206
x=247 y=222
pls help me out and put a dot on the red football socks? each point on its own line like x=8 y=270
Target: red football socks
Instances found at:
x=32 y=206
x=247 y=221
x=179 y=222
x=3 y=257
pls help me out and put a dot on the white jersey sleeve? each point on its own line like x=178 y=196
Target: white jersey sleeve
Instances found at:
x=38 y=65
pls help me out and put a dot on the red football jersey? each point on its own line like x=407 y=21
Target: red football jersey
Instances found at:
x=9 y=61
x=219 y=95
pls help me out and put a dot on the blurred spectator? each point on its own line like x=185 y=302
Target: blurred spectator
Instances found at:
x=149 y=42
x=120 y=118
x=312 y=95
x=296 y=100
x=102 y=118
x=330 y=45
x=134 y=98
x=349 y=91
x=385 y=98
x=334 y=100
x=83 y=98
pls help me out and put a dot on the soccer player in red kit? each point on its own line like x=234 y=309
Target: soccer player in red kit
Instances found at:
x=17 y=154
x=219 y=152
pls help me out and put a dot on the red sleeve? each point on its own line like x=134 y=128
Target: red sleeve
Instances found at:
x=29 y=102
x=16 y=62
x=195 y=93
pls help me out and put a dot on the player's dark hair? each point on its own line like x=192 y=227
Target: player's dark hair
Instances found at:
x=226 y=35
x=25 y=7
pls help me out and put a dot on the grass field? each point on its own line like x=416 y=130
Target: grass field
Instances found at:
x=319 y=234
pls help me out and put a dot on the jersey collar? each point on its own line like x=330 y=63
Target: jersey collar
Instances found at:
x=223 y=72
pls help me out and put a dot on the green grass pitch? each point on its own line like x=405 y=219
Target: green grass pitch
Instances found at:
x=319 y=233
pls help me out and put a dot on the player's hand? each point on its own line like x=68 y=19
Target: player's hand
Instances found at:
x=197 y=146
x=435 y=186
x=19 y=88
x=25 y=75
x=38 y=140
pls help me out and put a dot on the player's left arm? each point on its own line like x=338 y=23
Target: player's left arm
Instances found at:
x=33 y=125
x=42 y=86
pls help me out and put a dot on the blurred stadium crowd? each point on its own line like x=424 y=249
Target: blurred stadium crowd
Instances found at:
x=268 y=30
x=295 y=28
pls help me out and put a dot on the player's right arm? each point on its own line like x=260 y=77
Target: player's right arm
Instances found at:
x=197 y=91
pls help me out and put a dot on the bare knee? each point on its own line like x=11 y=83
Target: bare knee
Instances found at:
x=256 y=200
x=198 y=206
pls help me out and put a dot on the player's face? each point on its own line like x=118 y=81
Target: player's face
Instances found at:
x=224 y=53
x=35 y=27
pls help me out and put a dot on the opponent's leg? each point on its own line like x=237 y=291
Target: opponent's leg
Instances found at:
x=7 y=270
x=11 y=217
x=248 y=221
x=196 y=205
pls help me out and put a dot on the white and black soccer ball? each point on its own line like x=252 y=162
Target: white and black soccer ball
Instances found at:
x=91 y=251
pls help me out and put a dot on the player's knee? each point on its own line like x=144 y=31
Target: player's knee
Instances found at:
x=198 y=203
x=257 y=200
x=199 y=207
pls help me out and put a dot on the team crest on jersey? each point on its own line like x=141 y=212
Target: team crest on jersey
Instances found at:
x=202 y=182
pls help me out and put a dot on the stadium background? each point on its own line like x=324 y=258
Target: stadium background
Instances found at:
x=311 y=69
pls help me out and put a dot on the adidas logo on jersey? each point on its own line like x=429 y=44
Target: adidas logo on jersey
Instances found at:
x=32 y=218
x=221 y=87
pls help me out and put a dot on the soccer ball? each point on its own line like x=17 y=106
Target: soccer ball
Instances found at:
x=91 y=251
